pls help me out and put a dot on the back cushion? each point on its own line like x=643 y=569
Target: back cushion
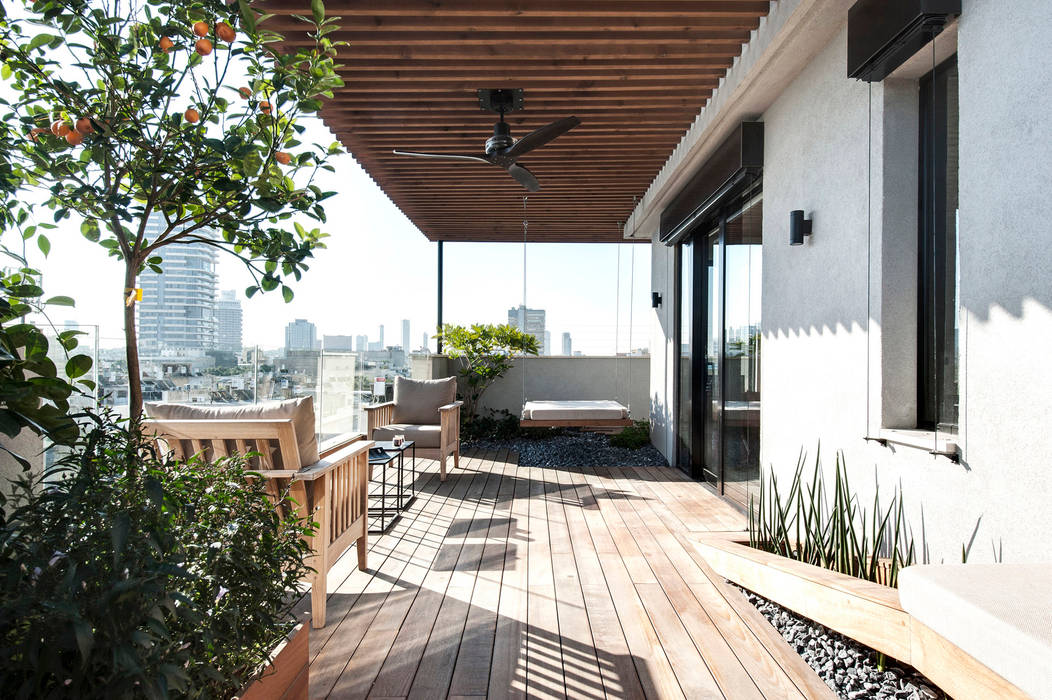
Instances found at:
x=301 y=411
x=417 y=401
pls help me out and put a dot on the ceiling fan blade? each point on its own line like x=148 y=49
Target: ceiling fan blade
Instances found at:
x=539 y=137
x=441 y=156
x=524 y=177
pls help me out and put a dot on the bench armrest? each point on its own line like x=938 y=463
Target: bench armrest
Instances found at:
x=324 y=466
x=450 y=406
x=377 y=406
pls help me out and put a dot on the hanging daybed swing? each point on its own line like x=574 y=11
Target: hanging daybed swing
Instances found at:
x=578 y=413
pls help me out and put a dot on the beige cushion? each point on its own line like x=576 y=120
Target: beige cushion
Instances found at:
x=417 y=401
x=574 y=410
x=301 y=411
x=1001 y=614
x=422 y=435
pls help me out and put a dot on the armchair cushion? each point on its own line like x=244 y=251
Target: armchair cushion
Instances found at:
x=301 y=411
x=416 y=402
x=422 y=435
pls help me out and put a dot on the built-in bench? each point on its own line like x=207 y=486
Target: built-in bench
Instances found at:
x=999 y=614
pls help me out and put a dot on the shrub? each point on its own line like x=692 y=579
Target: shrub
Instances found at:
x=498 y=425
x=126 y=574
x=832 y=532
x=486 y=351
x=633 y=437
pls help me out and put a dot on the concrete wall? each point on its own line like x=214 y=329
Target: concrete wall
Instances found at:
x=839 y=313
x=555 y=378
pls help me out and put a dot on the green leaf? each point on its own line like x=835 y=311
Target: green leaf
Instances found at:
x=317 y=8
x=61 y=301
x=85 y=639
x=77 y=366
x=5 y=71
x=41 y=40
x=44 y=244
x=248 y=16
x=287 y=293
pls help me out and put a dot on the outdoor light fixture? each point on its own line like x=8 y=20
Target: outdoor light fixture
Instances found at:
x=798 y=227
x=655 y=300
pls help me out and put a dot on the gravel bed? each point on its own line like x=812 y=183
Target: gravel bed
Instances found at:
x=574 y=449
x=847 y=667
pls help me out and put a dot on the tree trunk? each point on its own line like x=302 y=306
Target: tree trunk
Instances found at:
x=131 y=341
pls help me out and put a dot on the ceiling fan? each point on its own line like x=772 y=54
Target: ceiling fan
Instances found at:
x=501 y=149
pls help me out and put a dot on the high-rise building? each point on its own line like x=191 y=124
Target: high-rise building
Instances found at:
x=425 y=342
x=229 y=318
x=337 y=343
x=567 y=345
x=547 y=349
x=361 y=343
x=178 y=307
x=301 y=334
x=529 y=321
x=405 y=335
x=382 y=337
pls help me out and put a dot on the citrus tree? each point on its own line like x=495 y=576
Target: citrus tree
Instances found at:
x=180 y=112
x=486 y=351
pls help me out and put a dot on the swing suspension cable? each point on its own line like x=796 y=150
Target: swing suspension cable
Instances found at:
x=617 y=325
x=522 y=313
x=631 y=309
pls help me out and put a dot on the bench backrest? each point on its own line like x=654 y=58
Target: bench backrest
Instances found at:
x=273 y=439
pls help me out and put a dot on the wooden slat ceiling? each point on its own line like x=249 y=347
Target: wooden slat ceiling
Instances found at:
x=635 y=72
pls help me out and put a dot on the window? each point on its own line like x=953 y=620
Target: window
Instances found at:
x=937 y=312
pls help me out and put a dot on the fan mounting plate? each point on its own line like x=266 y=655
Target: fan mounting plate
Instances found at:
x=501 y=100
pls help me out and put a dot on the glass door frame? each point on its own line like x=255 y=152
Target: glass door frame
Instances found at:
x=699 y=239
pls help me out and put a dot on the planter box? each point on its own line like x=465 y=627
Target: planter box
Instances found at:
x=287 y=677
x=867 y=612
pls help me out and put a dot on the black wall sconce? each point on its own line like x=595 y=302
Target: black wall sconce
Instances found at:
x=798 y=227
x=655 y=300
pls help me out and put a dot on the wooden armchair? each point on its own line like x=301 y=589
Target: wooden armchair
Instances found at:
x=333 y=490
x=426 y=412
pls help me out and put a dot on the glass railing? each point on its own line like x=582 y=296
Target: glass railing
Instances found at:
x=340 y=382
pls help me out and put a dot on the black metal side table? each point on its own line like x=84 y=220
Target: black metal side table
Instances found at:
x=394 y=497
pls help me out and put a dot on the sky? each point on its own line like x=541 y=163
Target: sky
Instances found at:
x=378 y=268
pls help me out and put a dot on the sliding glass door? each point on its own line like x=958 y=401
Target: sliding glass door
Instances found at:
x=718 y=387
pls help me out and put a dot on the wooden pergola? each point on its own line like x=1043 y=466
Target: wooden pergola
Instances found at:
x=636 y=72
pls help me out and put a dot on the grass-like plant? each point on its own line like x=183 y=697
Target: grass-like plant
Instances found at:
x=633 y=437
x=832 y=530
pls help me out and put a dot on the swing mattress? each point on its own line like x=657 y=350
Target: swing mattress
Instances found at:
x=581 y=412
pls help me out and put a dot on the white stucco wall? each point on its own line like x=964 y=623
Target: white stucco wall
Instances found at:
x=827 y=349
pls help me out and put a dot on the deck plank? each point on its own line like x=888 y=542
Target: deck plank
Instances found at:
x=512 y=582
x=508 y=673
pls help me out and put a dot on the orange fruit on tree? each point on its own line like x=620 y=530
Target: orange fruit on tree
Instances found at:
x=74 y=138
x=225 y=32
x=201 y=28
x=84 y=126
x=264 y=107
x=35 y=133
x=192 y=115
x=203 y=47
x=244 y=92
x=60 y=128
x=166 y=43
x=282 y=157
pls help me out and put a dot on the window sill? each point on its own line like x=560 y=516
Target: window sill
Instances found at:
x=927 y=440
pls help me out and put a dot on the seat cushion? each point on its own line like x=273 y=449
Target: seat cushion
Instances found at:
x=422 y=435
x=1001 y=614
x=416 y=401
x=301 y=411
x=574 y=410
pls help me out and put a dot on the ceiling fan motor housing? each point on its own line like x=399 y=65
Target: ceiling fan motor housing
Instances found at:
x=501 y=138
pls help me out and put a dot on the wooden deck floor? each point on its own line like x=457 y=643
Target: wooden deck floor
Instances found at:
x=507 y=581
